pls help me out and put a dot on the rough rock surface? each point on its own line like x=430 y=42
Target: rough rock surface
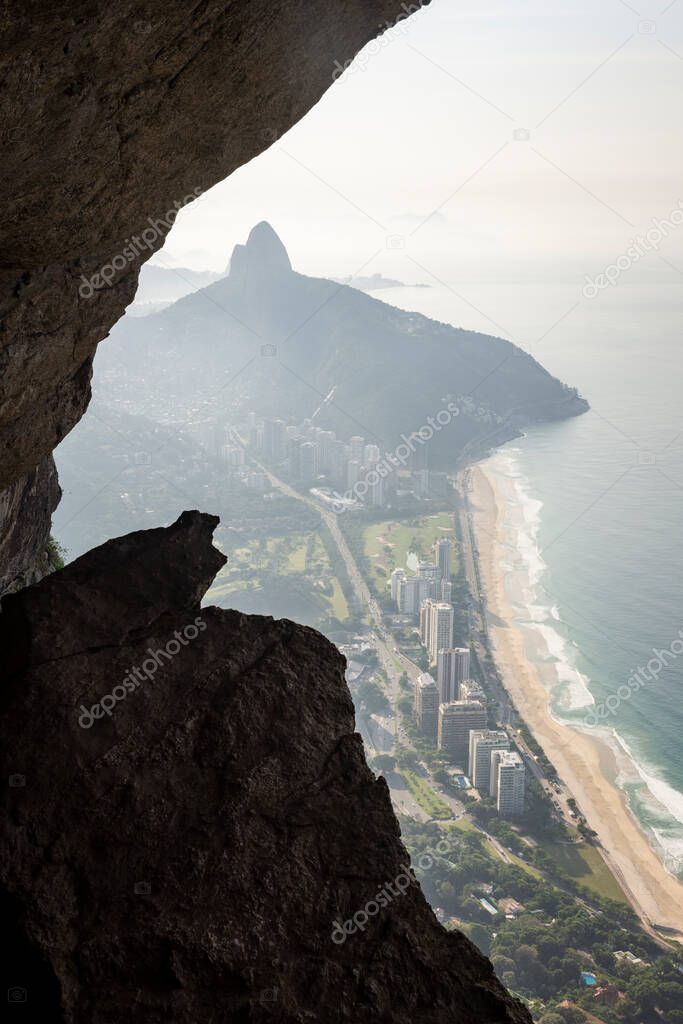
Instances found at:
x=110 y=114
x=183 y=857
x=26 y=508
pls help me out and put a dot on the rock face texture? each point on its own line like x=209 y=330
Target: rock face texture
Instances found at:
x=189 y=812
x=26 y=508
x=112 y=115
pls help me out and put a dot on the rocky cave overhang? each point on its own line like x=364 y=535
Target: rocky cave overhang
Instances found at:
x=186 y=857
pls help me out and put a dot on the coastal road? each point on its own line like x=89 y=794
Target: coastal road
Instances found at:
x=390 y=656
x=387 y=647
x=374 y=737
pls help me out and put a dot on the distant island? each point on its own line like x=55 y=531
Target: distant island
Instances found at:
x=374 y=283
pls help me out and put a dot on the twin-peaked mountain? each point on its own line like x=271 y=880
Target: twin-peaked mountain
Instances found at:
x=268 y=339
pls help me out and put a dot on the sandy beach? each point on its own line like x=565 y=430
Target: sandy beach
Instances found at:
x=586 y=764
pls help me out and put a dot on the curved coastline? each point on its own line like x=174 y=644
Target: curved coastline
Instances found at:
x=588 y=764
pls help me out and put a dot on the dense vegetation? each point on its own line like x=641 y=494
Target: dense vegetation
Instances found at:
x=540 y=949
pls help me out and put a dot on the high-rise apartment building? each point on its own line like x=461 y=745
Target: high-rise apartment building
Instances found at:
x=508 y=771
x=452 y=668
x=352 y=472
x=411 y=593
x=426 y=609
x=440 y=629
x=357 y=445
x=397 y=577
x=377 y=491
x=470 y=689
x=456 y=721
x=371 y=454
x=482 y=744
x=309 y=456
x=426 y=705
x=274 y=439
x=428 y=571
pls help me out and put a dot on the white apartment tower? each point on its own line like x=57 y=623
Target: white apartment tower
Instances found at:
x=397 y=576
x=482 y=744
x=426 y=609
x=357 y=445
x=508 y=771
x=440 y=636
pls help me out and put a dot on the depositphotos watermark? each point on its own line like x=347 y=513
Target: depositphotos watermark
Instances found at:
x=390 y=29
x=139 y=674
x=635 y=682
x=398 y=458
x=134 y=247
x=639 y=247
x=389 y=891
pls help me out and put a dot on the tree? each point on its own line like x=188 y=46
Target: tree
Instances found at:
x=372 y=698
x=384 y=763
x=502 y=964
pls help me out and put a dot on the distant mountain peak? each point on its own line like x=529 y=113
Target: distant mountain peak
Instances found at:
x=263 y=254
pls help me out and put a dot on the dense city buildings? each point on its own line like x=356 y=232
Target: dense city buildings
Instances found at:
x=309 y=455
x=274 y=440
x=471 y=690
x=425 y=619
x=456 y=721
x=411 y=592
x=452 y=669
x=483 y=742
x=428 y=571
x=449 y=706
x=426 y=705
x=397 y=576
x=508 y=772
x=428 y=583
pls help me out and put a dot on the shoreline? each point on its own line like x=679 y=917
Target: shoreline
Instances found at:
x=587 y=765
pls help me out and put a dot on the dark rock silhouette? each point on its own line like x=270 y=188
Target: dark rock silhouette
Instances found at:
x=177 y=847
x=113 y=116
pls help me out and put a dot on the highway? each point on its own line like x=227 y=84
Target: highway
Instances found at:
x=387 y=647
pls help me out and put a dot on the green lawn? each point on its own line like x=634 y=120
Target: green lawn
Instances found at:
x=465 y=825
x=340 y=608
x=301 y=556
x=584 y=864
x=387 y=544
x=296 y=561
x=518 y=862
x=425 y=796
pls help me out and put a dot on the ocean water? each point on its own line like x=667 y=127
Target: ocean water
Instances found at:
x=595 y=506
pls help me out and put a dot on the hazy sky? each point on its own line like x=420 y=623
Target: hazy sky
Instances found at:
x=420 y=146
